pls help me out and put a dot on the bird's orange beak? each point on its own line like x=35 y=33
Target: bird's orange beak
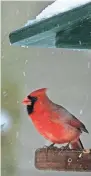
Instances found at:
x=26 y=101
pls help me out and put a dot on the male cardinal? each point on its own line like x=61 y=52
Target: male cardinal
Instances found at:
x=53 y=121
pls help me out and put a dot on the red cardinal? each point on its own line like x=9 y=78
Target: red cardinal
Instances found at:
x=53 y=121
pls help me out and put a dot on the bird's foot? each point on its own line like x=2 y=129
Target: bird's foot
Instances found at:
x=85 y=151
x=65 y=147
x=49 y=147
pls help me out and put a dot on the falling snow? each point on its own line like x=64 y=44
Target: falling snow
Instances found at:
x=80 y=42
x=88 y=64
x=80 y=155
x=24 y=74
x=69 y=22
x=26 y=61
x=22 y=46
x=24 y=109
x=17 y=102
x=17 y=134
x=17 y=12
x=52 y=52
x=5 y=93
x=29 y=161
x=2 y=57
x=84 y=105
x=81 y=112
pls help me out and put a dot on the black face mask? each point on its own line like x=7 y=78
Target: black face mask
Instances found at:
x=30 y=108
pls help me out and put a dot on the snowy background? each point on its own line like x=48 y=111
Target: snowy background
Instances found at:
x=66 y=73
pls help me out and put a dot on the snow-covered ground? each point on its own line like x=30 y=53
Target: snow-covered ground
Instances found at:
x=59 y=6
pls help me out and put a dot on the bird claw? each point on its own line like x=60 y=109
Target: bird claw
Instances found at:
x=65 y=147
x=52 y=146
x=86 y=151
x=45 y=146
x=49 y=147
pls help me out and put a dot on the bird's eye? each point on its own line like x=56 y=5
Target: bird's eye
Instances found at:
x=33 y=99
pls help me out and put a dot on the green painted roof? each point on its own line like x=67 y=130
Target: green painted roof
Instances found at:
x=71 y=29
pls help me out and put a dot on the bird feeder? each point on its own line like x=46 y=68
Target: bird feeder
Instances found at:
x=71 y=29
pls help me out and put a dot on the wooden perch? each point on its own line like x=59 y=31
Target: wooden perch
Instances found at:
x=63 y=160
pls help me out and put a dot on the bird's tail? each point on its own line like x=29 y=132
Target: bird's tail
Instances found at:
x=77 y=145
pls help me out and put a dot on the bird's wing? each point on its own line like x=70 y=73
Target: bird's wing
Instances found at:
x=63 y=115
x=78 y=124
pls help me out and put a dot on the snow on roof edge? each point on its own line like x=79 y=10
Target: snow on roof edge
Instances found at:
x=59 y=6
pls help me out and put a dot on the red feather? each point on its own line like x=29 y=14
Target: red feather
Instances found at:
x=53 y=121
